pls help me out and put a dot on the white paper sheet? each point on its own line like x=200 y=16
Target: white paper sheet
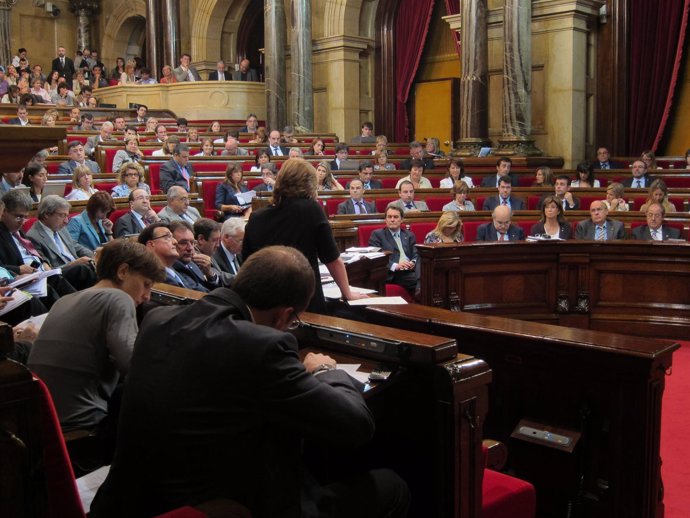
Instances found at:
x=377 y=301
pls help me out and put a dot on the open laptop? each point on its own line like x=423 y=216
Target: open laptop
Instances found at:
x=57 y=188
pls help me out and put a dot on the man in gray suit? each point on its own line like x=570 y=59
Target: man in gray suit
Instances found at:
x=500 y=228
x=53 y=241
x=599 y=227
x=655 y=230
x=186 y=72
x=77 y=156
x=504 y=197
x=245 y=73
x=140 y=214
x=232 y=147
x=178 y=208
x=228 y=254
x=406 y=203
x=105 y=135
x=356 y=204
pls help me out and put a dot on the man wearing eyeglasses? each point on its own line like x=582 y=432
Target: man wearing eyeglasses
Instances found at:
x=140 y=214
x=178 y=208
x=159 y=239
x=218 y=404
x=193 y=268
x=655 y=230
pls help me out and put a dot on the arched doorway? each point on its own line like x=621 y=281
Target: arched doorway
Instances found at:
x=250 y=36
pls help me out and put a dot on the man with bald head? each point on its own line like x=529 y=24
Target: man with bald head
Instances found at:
x=500 y=228
x=599 y=227
x=274 y=147
x=245 y=73
x=105 y=135
x=655 y=230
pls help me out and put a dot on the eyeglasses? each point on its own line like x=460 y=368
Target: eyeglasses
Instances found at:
x=187 y=242
x=295 y=323
x=142 y=197
x=136 y=175
x=167 y=237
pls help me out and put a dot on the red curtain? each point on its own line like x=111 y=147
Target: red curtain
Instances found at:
x=411 y=28
x=657 y=37
x=453 y=7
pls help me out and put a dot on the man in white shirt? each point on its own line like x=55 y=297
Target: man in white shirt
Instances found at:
x=228 y=254
x=186 y=72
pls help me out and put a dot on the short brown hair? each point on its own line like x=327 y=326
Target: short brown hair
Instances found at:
x=297 y=179
x=100 y=200
x=125 y=251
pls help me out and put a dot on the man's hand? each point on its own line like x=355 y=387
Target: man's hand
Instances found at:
x=204 y=262
x=27 y=333
x=313 y=360
x=406 y=265
x=26 y=269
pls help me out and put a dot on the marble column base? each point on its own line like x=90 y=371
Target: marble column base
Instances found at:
x=517 y=146
x=469 y=146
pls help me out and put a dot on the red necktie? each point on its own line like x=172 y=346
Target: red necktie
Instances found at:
x=28 y=245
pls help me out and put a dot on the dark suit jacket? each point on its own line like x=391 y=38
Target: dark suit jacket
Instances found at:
x=565 y=232
x=251 y=75
x=487 y=232
x=213 y=76
x=69 y=166
x=373 y=184
x=587 y=230
x=576 y=203
x=383 y=239
x=16 y=121
x=628 y=182
x=283 y=149
x=193 y=278
x=66 y=71
x=45 y=244
x=348 y=207
x=643 y=232
x=189 y=393
x=612 y=165
x=493 y=202
x=490 y=181
x=428 y=164
x=127 y=224
x=170 y=175
x=10 y=257
x=220 y=261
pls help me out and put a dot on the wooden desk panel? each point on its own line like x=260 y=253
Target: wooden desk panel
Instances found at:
x=607 y=386
x=635 y=287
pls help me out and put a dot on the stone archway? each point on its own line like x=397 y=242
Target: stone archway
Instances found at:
x=126 y=26
x=214 y=29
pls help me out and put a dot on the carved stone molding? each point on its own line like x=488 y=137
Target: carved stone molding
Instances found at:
x=583 y=305
x=517 y=146
x=469 y=146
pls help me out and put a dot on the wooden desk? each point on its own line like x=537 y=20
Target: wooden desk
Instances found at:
x=609 y=387
x=635 y=287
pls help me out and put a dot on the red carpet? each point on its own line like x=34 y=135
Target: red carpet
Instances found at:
x=675 y=447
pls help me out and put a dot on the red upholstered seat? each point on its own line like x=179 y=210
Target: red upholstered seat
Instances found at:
x=208 y=192
x=586 y=201
x=364 y=232
x=253 y=182
x=116 y=214
x=393 y=290
x=420 y=230
x=388 y=182
x=52 y=167
x=154 y=176
x=469 y=230
x=437 y=203
x=332 y=205
x=382 y=203
x=108 y=159
x=524 y=180
x=525 y=225
x=26 y=226
x=533 y=202
x=504 y=496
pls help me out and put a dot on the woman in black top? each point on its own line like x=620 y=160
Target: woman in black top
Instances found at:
x=296 y=219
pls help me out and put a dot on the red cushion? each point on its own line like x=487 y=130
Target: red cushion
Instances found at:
x=382 y=203
x=438 y=203
x=208 y=192
x=26 y=226
x=469 y=230
x=109 y=156
x=504 y=496
x=394 y=290
x=533 y=202
x=420 y=230
x=154 y=177
x=332 y=205
x=389 y=182
x=364 y=232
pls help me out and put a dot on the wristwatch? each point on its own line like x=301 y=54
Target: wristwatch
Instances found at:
x=324 y=367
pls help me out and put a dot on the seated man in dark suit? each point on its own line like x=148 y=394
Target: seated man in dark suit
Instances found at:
x=655 y=230
x=504 y=198
x=22 y=118
x=503 y=165
x=218 y=405
x=207 y=234
x=140 y=214
x=274 y=146
x=394 y=238
x=268 y=177
x=562 y=194
x=599 y=227
x=18 y=254
x=228 y=255
x=417 y=153
x=160 y=240
x=640 y=179
x=366 y=170
x=77 y=156
x=245 y=73
x=367 y=135
x=603 y=160
x=341 y=161
x=220 y=74
x=500 y=228
x=177 y=170
x=192 y=267
x=51 y=238
x=356 y=204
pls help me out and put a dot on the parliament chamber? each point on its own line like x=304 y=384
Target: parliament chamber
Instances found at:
x=534 y=344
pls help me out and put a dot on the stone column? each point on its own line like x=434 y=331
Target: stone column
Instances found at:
x=517 y=80
x=154 y=47
x=274 y=68
x=170 y=23
x=301 y=48
x=84 y=10
x=5 y=50
x=474 y=81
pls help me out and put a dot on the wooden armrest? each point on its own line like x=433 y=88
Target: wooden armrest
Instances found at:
x=497 y=454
